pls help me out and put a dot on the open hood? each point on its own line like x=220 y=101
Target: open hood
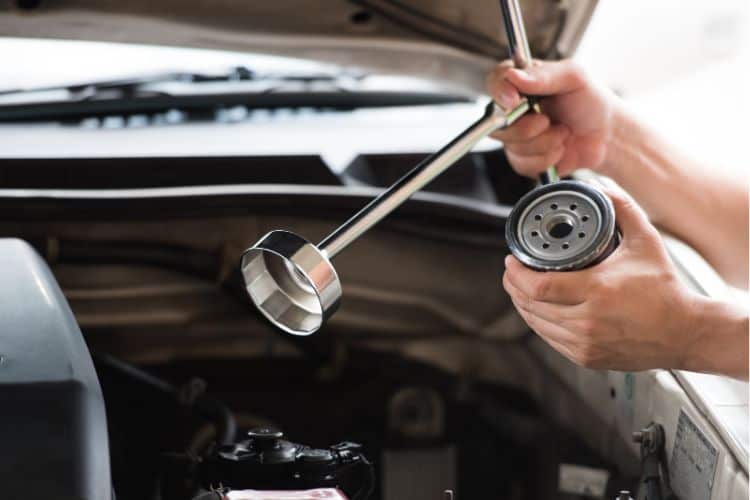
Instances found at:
x=450 y=40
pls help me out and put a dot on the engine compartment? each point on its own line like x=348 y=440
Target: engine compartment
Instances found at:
x=443 y=386
x=424 y=430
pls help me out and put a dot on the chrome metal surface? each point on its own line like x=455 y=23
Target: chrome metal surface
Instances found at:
x=518 y=43
x=520 y=54
x=493 y=119
x=294 y=284
x=291 y=282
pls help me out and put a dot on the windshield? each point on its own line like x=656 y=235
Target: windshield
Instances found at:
x=335 y=134
x=69 y=62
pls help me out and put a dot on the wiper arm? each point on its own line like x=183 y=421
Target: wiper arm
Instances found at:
x=132 y=85
x=198 y=92
x=202 y=103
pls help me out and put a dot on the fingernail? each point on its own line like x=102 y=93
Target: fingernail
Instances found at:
x=507 y=260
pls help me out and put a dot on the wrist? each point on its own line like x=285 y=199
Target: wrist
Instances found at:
x=716 y=339
x=623 y=143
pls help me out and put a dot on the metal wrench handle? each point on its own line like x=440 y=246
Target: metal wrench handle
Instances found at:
x=518 y=43
x=494 y=118
x=520 y=54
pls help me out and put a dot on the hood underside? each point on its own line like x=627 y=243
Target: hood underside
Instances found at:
x=449 y=40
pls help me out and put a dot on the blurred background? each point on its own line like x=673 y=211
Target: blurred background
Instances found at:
x=684 y=65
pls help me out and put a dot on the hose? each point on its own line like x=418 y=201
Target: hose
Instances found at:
x=192 y=396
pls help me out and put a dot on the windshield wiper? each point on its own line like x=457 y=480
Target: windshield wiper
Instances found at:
x=201 y=93
x=235 y=74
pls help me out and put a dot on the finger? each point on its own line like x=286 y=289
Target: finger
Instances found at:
x=524 y=129
x=567 y=288
x=555 y=313
x=531 y=166
x=551 y=139
x=569 y=161
x=631 y=219
x=547 y=78
x=557 y=337
x=501 y=90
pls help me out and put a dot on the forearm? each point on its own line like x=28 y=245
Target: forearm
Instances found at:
x=708 y=212
x=718 y=340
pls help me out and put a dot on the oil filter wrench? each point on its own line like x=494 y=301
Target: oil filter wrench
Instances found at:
x=560 y=225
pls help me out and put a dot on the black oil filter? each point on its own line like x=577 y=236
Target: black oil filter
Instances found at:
x=562 y=226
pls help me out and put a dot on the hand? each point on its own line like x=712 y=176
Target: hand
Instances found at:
x=629 y=312
x=576 y=121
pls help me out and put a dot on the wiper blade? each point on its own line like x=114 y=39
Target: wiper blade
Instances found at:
x=200 y=93
x=133 y=84
x=128 y=106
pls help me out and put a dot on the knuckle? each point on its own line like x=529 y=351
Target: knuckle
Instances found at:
x=577 y=72
x=553 y=155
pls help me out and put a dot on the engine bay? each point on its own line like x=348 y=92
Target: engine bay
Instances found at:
x=424 y=431
x=436 y=388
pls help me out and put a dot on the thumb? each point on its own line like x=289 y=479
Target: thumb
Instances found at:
x=548 y=78
x=631 y=219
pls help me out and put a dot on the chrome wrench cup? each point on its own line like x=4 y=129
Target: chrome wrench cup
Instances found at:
x=293 y=283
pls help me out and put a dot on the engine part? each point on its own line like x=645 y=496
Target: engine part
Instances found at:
x=293 y=283
x=191 y=396
x=266 y=461
x=655 y=478
x=54 y=431
x=562 y=226
x=417 y=413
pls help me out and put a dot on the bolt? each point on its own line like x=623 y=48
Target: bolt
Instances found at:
x=624 y=495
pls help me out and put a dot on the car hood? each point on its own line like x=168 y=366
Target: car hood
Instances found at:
x=448 y=40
